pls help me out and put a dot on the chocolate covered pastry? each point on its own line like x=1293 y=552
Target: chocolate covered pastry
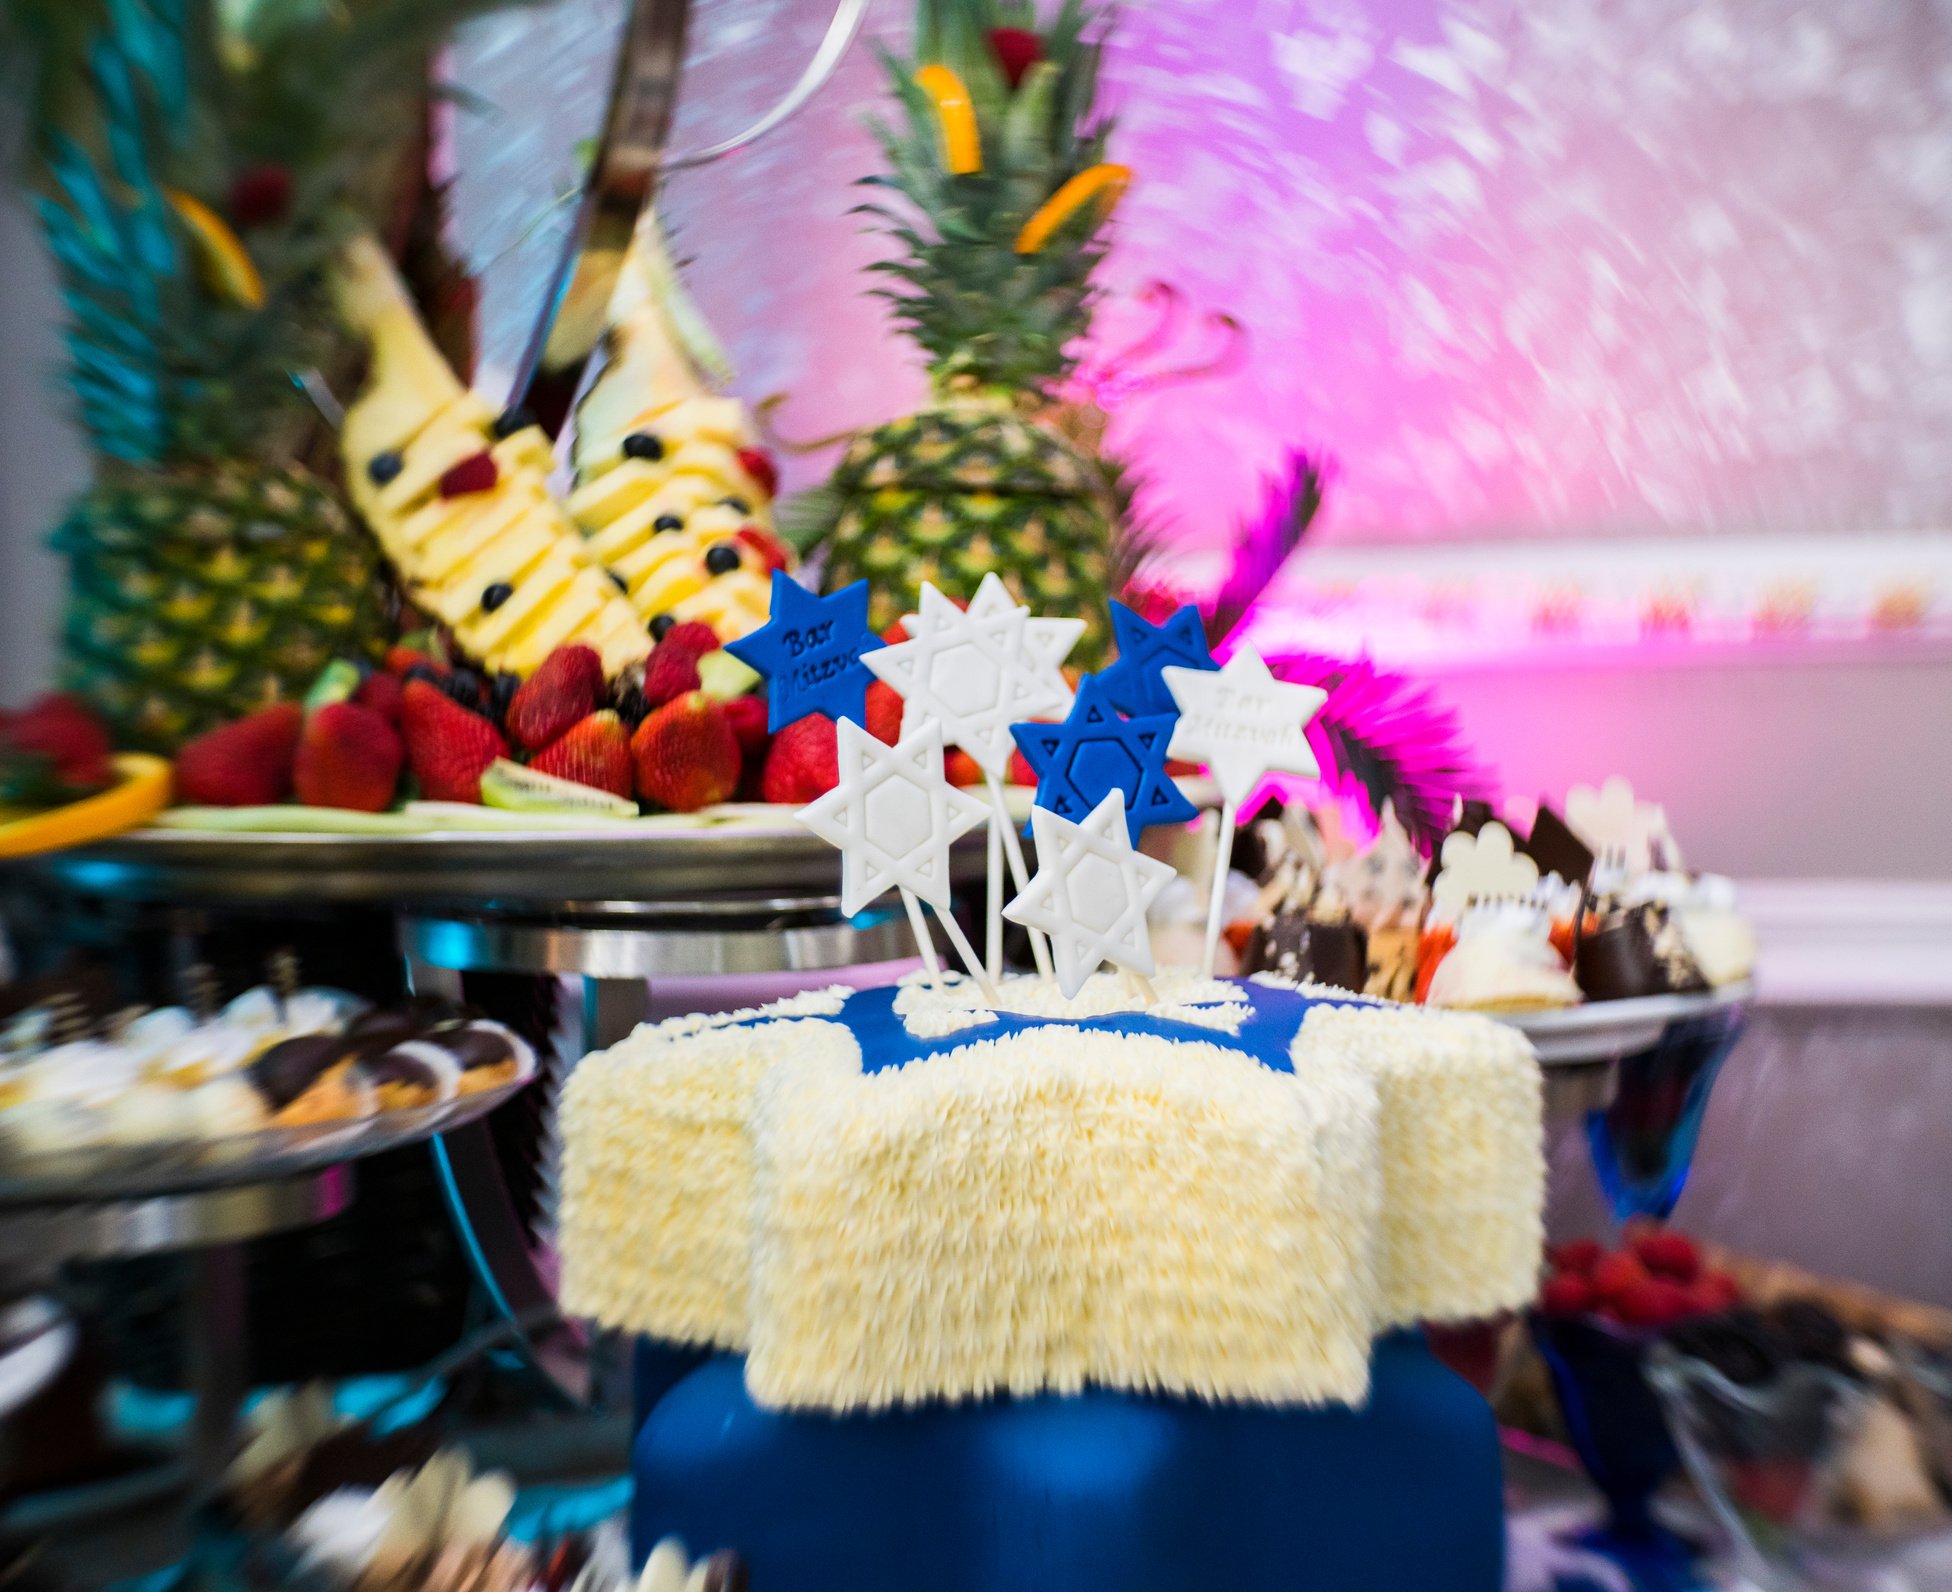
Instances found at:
x=1625 y=952
x=309 y=1079
x=488 y=1054
x=1302 y=948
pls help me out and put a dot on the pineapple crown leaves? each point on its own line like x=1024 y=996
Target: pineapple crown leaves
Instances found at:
x=135 y=99
x=982 y=312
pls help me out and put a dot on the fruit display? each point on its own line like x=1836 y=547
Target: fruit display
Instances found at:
x=61 y=783
x=192 y=186
x=1654 y=1279
x=672 y=487
x=999 y=194
x=459 y=497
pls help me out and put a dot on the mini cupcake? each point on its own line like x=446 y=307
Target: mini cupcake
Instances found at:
x=1503 y=961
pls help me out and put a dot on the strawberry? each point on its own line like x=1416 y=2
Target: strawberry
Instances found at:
x=671 y=673
x=1714 y=1291
x=1020 y=772
x=1668 y=1254
x=959 y=768
x=380 y=692
x=884 y=710
x=803 y=762
x=748 y=718
x=771 y=550
x=1653 y=1303
x=1570 y=1295
x=595 y=752
x=447 y=746
x=758 y=463
x=1016 y=50
x=1617 y=1274
x=247 y=763
x=1580 y=1256
x=686 y=754
x=400 y=659
x=895 y=634
x=693 y=636
x=560 y=694
x=348 y=756
x=57 y=740
x=476 y=473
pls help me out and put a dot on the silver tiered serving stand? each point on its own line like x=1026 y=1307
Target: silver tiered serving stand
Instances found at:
x=610 y=915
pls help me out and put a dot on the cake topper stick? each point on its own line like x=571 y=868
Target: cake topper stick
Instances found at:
x=967 y=952
x=976 y=671
x=894 y=817
x=1244 y=724
x=1090 y=893
x=918 y=925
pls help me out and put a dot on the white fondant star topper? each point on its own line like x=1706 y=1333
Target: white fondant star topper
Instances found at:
x=1090 y=893
x=893 y=816
x=1243 y=723
x=978 y=671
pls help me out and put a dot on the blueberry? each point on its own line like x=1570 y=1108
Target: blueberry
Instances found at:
x=723 y=559
x=667 y=522
x=661 y=626
x=631 y=706
x=423 y=671
x=501 y=692
x=737 y=505
x=643 y=445
x=618 y=581
x=383 y=467
x=512 y=420
x=495 y=596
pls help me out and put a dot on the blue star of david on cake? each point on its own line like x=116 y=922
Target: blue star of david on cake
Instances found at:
x=1095 y=751
x=1133 y=683
x=810 y=650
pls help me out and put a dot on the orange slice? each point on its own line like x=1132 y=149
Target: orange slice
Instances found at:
x=1105 y=182
x=955 y=115
x=225 y=260
x=141 y=791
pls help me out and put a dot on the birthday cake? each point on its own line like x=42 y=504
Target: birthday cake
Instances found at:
x=972 y=1249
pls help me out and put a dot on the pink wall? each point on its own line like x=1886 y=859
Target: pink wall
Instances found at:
x=1826 y=770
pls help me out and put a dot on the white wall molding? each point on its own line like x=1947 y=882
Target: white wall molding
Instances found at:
x=1851 y=942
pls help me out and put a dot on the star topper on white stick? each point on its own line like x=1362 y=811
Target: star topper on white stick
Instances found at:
x=978 y=670
x=1090 y=893
x=1244 y=724
x=893 y=817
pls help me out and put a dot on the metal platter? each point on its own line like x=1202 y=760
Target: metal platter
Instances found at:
x=1604 y=1031
x=493 y=870
x=96 y=1175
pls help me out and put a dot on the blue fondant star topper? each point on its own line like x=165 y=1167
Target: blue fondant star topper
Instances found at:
x=1095 y=750
x=1132 y=683
x=810 y=650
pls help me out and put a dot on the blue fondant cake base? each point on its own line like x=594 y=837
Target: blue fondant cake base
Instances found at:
x=1100 y=1490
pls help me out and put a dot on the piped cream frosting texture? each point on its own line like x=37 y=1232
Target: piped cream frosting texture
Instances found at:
x=1052 y=1206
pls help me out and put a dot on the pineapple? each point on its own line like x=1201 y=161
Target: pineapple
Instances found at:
x=460 y=500
x=1000 y=157
x=195 y=164
x=673 y=490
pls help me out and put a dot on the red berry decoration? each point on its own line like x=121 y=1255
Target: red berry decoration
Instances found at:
x=769 y=548
x=1570 y=1295
x=260 y=196
x=475 y=474
x=1016 y=50
x=758 y=463
x=1581 y=1256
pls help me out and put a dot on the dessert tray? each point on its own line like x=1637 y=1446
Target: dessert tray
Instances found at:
x=1603 y=1031
x=95 y=1173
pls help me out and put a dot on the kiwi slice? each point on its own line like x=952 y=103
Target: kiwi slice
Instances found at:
x=516 y=789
